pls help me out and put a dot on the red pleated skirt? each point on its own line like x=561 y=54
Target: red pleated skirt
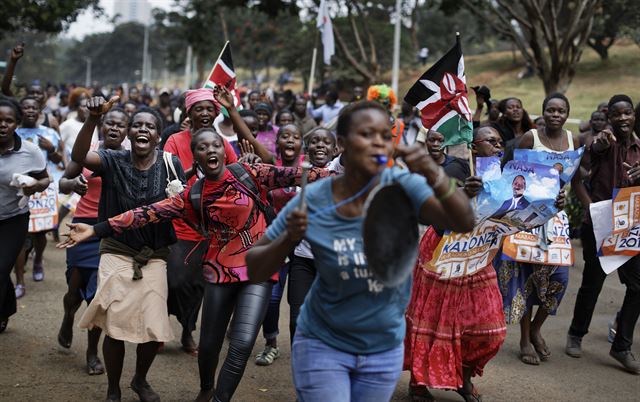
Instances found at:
x=451 y=324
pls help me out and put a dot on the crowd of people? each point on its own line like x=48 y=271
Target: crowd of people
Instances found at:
x=184 y=204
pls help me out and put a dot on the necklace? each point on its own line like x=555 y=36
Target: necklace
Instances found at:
x=553 y=146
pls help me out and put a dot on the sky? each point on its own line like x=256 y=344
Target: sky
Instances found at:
x=87 y=23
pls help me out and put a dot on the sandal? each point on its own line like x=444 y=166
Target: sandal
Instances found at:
x=20 y=291
x=473 y=396
x=529 y=356
x=541 y=349
x=94 y=365
x=267 y=356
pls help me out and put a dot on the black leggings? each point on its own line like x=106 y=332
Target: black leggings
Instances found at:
x=302 y=272
x=13 y=232
x=248 y=303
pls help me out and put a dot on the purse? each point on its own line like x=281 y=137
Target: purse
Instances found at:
x=174 y=186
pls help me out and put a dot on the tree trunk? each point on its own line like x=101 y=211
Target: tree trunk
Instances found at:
x=601 y=46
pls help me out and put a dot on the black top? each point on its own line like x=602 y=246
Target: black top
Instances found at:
x=124 y=187
x=456 y=167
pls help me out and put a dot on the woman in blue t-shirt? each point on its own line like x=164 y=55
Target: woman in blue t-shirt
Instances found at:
x=348 y=342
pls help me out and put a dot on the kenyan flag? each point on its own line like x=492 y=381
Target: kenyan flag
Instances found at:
x=223 y=73
x=441 y=96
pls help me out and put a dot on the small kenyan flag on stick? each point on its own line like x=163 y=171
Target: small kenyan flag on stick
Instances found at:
x=223 y=74
x=441 y=96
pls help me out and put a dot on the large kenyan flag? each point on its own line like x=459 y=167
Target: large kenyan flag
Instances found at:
x=441 y=96
x=223 y=73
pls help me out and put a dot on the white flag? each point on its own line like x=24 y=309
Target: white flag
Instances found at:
x=326 y=27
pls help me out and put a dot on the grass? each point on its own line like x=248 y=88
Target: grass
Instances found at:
x=595 y=81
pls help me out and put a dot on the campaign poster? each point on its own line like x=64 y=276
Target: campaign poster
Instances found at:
x=464 y=254
x=567 y=163
x=602 y=228
x=43 y=210
x=623 y=238
x=524 y=195
x=553 y=247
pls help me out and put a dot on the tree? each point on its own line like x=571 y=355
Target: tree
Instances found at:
x=613 y=19
x=51 y=16
x=550 y=34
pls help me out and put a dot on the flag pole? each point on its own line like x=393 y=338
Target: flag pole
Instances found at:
x=216 y=62
x=396 y=48
x=314 y=56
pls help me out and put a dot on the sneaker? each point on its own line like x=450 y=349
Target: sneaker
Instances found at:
x=267 y=356
x=627 y=359
x=574 y=346
x=20 y=291
x=613 y=325
x=38 y=272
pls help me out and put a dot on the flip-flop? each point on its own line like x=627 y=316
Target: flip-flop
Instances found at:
x=530 y=358
x=542 y=350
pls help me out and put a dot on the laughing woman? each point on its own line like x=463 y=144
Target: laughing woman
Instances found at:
x=348 y=342
x=130 y=303
x=233 y=216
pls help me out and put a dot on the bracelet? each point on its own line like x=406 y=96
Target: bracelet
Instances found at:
x=453 y=186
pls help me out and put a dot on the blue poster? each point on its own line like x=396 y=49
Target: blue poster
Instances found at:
x=522 y=196
x=567 y=163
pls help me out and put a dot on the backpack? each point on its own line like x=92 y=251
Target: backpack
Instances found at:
x=245 y=179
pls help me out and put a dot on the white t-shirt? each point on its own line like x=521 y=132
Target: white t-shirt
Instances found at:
x=69 y=131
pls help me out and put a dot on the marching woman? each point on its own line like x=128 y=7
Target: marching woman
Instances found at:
x=526 y=285
x=348 y=341
x=130 y=303
x=456 y=325
x=83 y=261
x=23 y=158
x=230 y=202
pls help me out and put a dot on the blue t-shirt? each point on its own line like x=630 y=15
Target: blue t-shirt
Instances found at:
x=55 y=170
x=346 y=307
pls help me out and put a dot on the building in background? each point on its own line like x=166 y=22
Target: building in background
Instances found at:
x=133 y=11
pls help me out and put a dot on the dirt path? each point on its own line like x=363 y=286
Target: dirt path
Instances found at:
x=34 y=368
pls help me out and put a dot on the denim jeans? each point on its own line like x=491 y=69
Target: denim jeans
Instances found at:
x=322 y=373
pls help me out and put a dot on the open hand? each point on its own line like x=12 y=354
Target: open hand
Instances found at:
x=224 y=97
x=297 y=225
x=98 y=106
x=78 y=233
x=17 y=52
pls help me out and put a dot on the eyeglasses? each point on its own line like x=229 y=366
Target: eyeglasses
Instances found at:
x=491 y=141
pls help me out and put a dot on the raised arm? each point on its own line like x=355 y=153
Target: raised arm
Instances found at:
x=80 y=153
x=450 y=208
x=225 y=98
x=16 y=54
x=272 y=177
